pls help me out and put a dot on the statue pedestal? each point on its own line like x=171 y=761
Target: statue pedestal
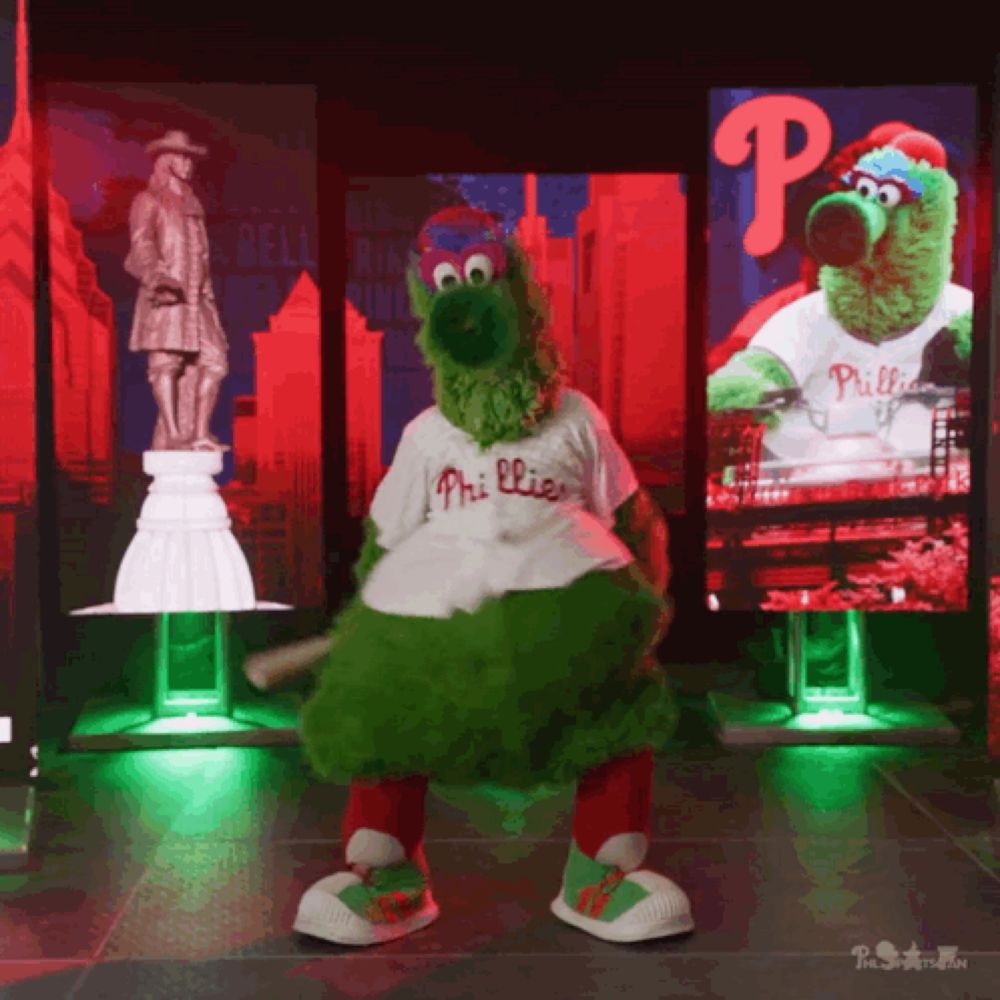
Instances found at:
x=185 y=566
x=184 y=556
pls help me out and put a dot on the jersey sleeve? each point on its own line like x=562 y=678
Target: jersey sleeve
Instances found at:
x=401 y=502
x=610 y=479
x=792 y=336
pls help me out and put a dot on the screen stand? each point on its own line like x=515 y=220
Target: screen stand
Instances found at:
x=193 y=703
x=17 y=821
x=827 y=694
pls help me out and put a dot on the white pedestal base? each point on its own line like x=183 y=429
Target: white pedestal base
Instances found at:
x=184 y=556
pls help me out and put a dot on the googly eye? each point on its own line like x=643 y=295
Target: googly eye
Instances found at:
x=889 y=195
x=446 y=275
x=478 y=269
x=866 y=187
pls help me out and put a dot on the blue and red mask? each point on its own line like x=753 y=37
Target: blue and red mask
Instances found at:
x=460 y=246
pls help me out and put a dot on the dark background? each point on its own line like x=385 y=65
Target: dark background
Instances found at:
x=426 y=91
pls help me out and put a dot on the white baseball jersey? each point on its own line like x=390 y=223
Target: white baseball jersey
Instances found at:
x=847 y=381
x=461 y=524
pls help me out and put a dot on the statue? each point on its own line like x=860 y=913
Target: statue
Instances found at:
x=176 y=321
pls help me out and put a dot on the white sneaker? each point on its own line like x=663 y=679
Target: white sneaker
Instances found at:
x=367 y=906
x=613 y=905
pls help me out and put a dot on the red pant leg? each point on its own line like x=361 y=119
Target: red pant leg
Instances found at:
x=613 y=798
x=393 y=805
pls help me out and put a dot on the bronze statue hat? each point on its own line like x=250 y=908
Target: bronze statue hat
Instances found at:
x=175 y=142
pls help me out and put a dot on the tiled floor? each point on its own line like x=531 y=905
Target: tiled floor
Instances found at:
x=175 y=874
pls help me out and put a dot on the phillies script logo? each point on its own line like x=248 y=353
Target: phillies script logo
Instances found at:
x=889 y=381
x=512 y=477
x=766 y=120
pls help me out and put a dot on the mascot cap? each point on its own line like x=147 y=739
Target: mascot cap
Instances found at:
x=454 y=234
x=898 y=147
x=882 y=135
x=911 y=141
x=455 y=228
x=922 y=146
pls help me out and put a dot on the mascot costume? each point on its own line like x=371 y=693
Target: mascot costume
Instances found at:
x=885 y=317
x=512 y=590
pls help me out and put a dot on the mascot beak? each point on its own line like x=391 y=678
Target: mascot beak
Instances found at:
x=475 y=327
x=843 y=228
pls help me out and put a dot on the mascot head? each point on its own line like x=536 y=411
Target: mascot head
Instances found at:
x=884 y=241
x=483 y=327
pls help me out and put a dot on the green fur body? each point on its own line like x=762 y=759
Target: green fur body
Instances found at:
x=533 y=688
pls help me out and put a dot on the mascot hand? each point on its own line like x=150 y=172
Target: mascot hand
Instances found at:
x=665 y=621
x=740 y=392
x=640 y=524
x=744 y=381
x=946 y=357
x=649 y=661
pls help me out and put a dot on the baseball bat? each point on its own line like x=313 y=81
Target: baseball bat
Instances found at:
x=273 y=667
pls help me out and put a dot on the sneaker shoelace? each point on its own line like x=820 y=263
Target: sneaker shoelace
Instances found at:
x=386 y=902
x=593 y=898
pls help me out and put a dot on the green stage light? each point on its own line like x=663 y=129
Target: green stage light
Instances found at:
x=827 y=668
x=827 y=694
x=192 y=665
x=18 y=810
x=192 y=703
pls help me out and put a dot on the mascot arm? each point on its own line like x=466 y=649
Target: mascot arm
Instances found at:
x=643 y=528
x=742 y=382
x=370 y=553
x=961 y=332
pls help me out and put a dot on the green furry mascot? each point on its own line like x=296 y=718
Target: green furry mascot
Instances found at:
x=512 y=588
x=885 y=319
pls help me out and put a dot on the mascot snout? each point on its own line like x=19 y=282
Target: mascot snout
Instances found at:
x=843 y=228
x=475 y=327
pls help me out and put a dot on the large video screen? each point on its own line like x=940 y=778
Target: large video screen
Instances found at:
x=840 y=332
x=150 y=310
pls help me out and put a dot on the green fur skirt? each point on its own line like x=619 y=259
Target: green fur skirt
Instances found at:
x=533 y=688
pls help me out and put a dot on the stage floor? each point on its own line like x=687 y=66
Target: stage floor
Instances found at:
x=176 y=874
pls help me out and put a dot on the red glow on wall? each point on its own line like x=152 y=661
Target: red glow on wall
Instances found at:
x=552 y=266
x=364 y=410
x=631 y=314
x=17 y=321
x=275 y=498
x=83 y=359
x=17 y=366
